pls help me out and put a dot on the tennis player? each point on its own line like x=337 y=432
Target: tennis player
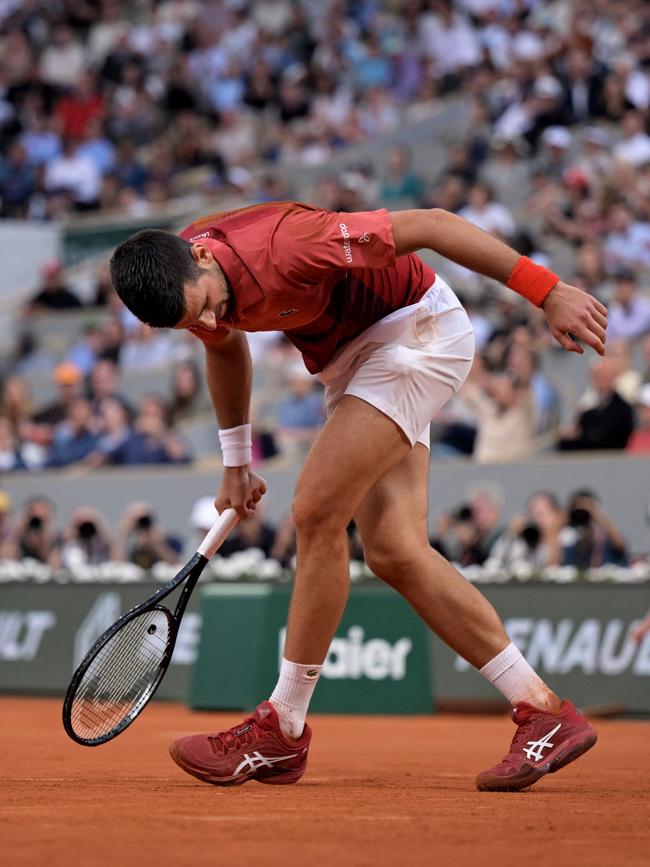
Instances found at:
x=391 y=343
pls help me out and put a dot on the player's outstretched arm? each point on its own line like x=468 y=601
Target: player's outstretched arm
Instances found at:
x=572 y=315
x=229 y=374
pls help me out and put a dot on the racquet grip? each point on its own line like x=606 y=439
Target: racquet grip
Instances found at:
x=217 y=534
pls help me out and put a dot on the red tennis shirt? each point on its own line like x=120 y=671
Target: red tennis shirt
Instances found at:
x=320 y=277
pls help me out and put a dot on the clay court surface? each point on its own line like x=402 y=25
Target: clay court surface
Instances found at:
x=380 y=791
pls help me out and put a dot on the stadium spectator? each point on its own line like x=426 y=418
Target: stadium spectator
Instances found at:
x=7 y=536
x=525 y=364
x=62 y=62
x=75 y=176
x=505 y=414
x=144 y=349
x=627 y=244
x=114 y=432
x=140 y=540
x=186 y=396
x=639 y=442
x=486 y=504
x=151 y=441
x=86 y=540
x=79 y=107
x=104 y=384
x=53 y=294
x=591 y=539
x=634 y=146
x=36 y=537
x=456 y=536
x=401 y=186
x=583 y=84
x=487 y=214
x=69 y=382
x=629 y=310
x=85 y=351
x=607 y=425
x=41 y=139
x=284 y=545
x=75 y=437
x=300 y=414
x=254 y=533
x=16 y=404
x=17 y=182
x=532 y=540
x=11 y=458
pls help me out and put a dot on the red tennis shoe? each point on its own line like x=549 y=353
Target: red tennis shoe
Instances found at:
x=543 y=743
x=256 y=749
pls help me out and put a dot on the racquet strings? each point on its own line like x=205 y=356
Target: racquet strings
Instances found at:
x=118 y=682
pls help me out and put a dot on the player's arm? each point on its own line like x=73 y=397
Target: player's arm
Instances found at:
x=572 y=314
x=229 y=374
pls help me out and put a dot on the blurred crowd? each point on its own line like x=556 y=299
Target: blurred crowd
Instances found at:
x=139 y=538
x=115 y=106
x=547 y=534
x=121 y=106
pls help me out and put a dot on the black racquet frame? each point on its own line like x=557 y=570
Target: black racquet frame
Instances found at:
x=190 y=574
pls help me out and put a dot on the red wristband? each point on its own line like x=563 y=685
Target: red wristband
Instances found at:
x=532 y=281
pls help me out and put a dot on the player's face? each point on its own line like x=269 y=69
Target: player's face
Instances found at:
x=207 y=300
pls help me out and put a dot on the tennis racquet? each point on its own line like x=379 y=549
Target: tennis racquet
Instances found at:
x=124 y=667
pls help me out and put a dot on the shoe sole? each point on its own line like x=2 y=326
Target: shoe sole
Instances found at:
x=272 y=777
x=566 y=753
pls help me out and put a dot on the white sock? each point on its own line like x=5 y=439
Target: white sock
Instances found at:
x=514 y=678
x=292 y=695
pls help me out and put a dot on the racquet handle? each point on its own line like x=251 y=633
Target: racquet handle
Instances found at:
x=217 y=534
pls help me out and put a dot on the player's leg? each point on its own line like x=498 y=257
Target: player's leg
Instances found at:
x=392 y=520
x=393 y=523
x=356 y=447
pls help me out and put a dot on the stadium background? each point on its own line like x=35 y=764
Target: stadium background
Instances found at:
x=530 y=118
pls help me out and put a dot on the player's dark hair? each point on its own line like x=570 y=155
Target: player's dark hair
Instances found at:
x=149 y=271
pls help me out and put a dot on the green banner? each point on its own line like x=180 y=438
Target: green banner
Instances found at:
x=577 y=636
x=46 y=630
x=377 y=663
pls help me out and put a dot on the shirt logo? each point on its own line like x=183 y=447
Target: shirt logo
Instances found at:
x=365 y=238
x=347 y=246
x=288 y=312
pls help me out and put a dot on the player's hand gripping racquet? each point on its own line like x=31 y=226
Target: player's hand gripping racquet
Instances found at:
x=124 y=667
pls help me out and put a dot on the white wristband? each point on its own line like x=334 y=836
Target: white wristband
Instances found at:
x=236 y=445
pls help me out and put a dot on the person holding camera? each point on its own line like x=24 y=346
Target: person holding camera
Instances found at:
x=532 y=540
x=140 y=540
x=36 y=536
x=591 y=539
x=87 y=540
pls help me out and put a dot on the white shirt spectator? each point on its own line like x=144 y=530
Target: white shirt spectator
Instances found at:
x=634 y=150
x=453 y=47
x=493 y=218
x=76 y=174
x=629 y=322
x=630 y=247
x=62 y=65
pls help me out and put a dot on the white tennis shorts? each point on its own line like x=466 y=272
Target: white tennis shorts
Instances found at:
x=408 y=364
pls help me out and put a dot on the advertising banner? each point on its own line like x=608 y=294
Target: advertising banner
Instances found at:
x=576 y=636
x=46 y=630
x=379 y=661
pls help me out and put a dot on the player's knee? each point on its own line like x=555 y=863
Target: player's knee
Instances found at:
x=395 y=565
x=314 y=515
